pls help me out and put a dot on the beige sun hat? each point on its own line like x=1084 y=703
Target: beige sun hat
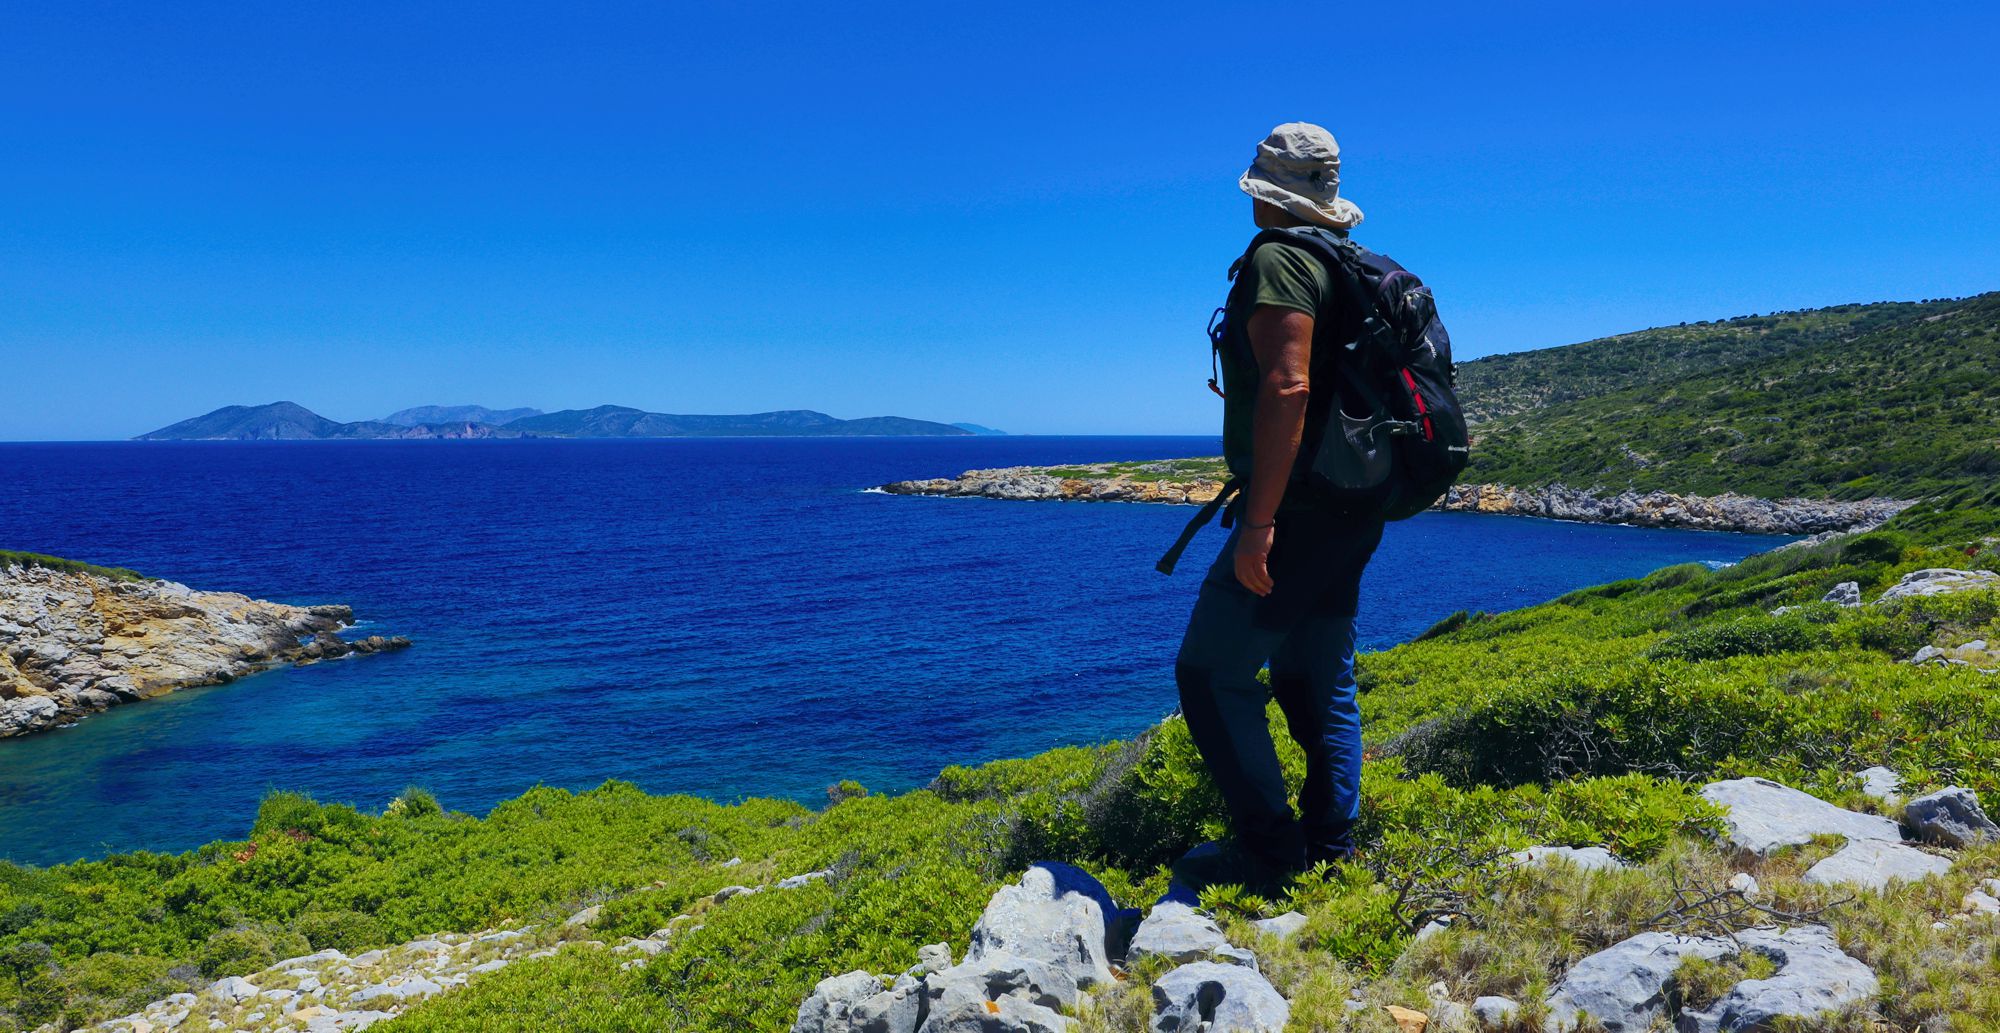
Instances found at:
x=1298 y=169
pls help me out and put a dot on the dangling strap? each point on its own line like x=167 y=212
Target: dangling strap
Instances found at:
x=1194 y=526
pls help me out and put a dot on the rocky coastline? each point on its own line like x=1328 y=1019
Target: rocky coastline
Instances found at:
x=74 y=643
x=1727 y=512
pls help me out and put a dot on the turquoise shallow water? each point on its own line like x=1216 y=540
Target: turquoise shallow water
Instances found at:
x=726 y=617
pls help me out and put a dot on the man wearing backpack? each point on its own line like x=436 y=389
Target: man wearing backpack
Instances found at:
x=1284 y=589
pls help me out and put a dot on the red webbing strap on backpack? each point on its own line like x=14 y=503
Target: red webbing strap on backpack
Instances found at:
x=1194 y=526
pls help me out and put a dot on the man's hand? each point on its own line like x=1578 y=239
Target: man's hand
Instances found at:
x=1253 y=551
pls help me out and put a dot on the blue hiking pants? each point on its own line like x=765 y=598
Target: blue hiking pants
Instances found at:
x=1305 y=631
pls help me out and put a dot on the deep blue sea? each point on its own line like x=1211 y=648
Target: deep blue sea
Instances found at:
x=726 y=617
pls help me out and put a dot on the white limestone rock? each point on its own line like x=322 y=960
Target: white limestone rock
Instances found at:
x=1055 y=914
x=1814 y=976
x=1938 y=581
x=233 y=988
x=998 y=994
x=1873 y=865
x=1210 y=996
x=1284 y=926
x=1178 y=933
x=1883 y=784
x=1763 y=816
x=1590 y=858
x=1493 y=1013
x=1624 y=986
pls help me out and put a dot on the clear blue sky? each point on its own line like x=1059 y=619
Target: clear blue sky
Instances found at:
x=1015 y=215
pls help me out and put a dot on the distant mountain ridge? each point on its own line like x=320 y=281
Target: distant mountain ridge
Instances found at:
x=289 y=421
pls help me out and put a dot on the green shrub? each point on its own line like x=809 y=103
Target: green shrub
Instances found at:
x=245 y=949
x=414 y=802
x=845 y=789
x=1874 y=547
x=349 y=931
x=1745 y=636
x=1448 y=625
x=1882 y=632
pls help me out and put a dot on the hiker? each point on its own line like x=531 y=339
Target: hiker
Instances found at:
x=1284 y=589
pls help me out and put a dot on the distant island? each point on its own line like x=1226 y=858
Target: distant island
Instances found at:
x=289 y=421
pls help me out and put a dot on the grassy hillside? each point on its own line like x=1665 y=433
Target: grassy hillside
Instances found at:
x=1909 y=405
x=1503 y=385
x=1585 y=720
x=1894 y=400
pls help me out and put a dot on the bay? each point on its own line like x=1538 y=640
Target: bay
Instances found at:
x=724 y=617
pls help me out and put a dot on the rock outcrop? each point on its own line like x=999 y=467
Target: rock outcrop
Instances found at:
x=1624 y=986
x=1178 y=933
x=1058 y=916
x=1627 y=987
x=1951 y=817
x=328 y=991
x=74 y=643
x=1205 y=995
x=1728 y=512
x=1763 y=816
x=1163 y=482
x=1873 y=864
x=1043 y=945
x=1938 y=581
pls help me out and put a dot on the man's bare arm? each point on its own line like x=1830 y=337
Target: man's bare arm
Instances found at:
x=1281 y=341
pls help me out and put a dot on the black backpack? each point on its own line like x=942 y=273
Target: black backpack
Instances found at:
x=1396 y=440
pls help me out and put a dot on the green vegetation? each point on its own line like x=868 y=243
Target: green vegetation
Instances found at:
x=33 y=559
x=1504 y=385
x=1586 y=720
x=1906 y=406
x=1898 y=399
x=1149 y=470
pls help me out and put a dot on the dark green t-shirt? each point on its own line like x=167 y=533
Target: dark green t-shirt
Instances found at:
x=1277 y=274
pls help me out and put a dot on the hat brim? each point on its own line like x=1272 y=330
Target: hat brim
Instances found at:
x=1341 y=214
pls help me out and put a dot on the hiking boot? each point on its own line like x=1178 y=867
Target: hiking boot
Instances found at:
x=1221 y=864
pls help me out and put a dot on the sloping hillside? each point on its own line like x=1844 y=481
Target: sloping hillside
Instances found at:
x=1907 y=407
x=1502 y=385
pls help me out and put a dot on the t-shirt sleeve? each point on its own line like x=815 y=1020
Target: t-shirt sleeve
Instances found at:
x=1288 y=277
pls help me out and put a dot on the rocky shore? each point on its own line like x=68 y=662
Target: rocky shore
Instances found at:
x=73 y=643
x=1162 y=482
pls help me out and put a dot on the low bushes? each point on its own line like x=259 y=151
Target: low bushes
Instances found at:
x=1745 y=636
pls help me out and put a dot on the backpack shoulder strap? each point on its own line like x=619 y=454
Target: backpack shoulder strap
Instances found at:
x=1341 y=256
x=1194 y=526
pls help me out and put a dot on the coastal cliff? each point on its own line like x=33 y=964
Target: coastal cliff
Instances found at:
x=77 y=641
x=1193 y=482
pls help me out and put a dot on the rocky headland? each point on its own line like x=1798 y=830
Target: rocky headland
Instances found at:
x=75 y=642
x=1196 y=482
